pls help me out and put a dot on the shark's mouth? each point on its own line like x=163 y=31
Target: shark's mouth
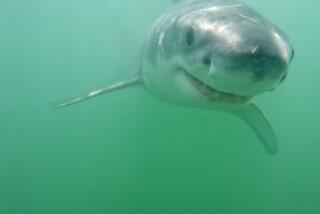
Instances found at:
x=213 y=94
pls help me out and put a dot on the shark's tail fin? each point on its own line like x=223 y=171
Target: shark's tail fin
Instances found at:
x=257 y=120
x=119 y=85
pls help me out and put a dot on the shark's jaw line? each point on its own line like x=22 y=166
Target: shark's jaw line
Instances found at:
x=214 y=94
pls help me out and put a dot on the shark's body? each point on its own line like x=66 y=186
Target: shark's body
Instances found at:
x=214 y=54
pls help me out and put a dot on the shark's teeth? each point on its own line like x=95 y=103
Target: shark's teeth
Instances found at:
x=214 y=94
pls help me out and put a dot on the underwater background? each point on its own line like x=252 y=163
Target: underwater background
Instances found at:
x=128 y=152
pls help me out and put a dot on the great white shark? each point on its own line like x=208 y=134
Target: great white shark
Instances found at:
x=212 y=54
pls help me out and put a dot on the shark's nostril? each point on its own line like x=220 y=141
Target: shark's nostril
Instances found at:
x=292 y=54
x=283 y=78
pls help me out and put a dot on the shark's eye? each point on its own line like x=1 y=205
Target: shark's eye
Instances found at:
x=190 y=36
x=206 y=61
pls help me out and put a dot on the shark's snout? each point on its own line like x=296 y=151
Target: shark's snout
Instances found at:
x=255 y=63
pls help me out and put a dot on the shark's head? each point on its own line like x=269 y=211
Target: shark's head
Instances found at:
x=228 y=52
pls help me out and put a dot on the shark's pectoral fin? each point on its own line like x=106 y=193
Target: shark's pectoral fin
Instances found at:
x=119 y=85
x=257 y=120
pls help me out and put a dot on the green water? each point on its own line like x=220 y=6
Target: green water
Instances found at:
x=127 y=152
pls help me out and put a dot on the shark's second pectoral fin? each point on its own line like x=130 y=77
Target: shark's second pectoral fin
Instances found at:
x=116 y=86
x=258 y=121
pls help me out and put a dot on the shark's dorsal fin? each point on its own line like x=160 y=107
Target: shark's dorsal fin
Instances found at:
x=177 y=1
x=116 y=86
x=258 y=121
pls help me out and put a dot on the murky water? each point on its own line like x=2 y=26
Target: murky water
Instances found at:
x=128 y=152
